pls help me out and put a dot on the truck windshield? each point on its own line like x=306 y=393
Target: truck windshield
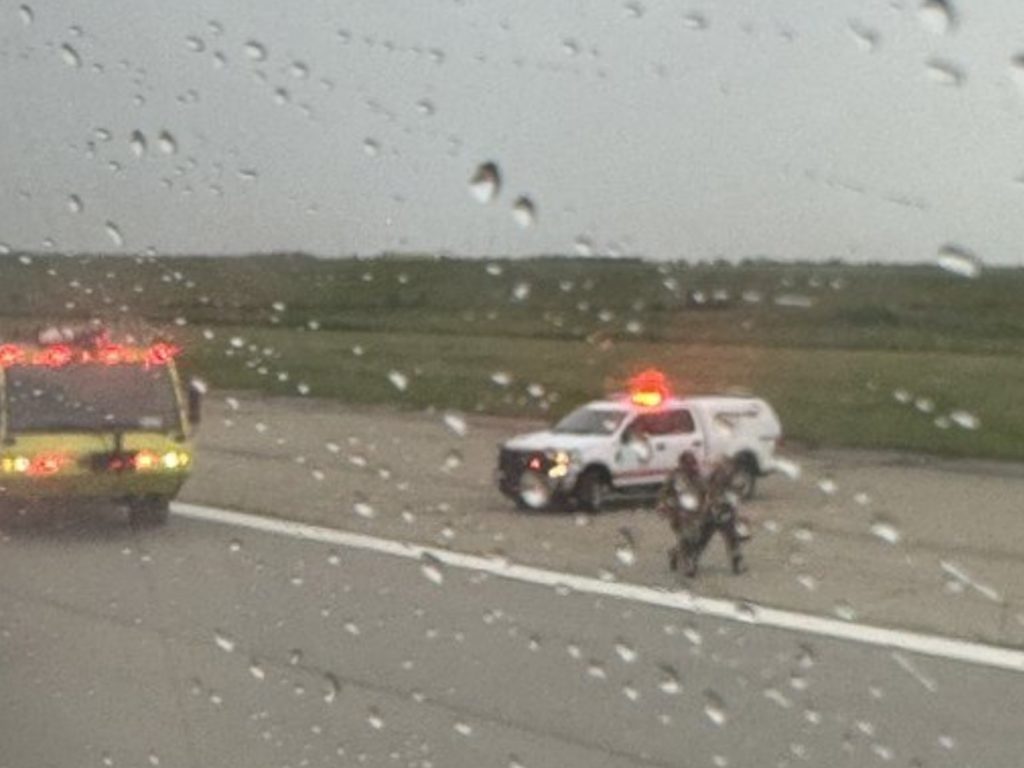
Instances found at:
x=590 y=421
x=91 y=397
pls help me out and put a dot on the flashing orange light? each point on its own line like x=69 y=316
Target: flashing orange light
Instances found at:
x=162 y=353
x=46 y=464
x=111 y=354
x=55 y=356
x=145 y=460
x=11 y=354
x=649 y=388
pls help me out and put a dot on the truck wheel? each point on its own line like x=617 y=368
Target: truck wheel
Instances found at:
x=592 y=490
x=744 y=479
x=148 y=512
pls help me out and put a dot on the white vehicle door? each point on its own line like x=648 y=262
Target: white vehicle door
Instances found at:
x=680 y=435
x=651 y=445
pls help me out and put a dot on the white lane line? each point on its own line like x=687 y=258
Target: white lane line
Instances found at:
x=914 y=642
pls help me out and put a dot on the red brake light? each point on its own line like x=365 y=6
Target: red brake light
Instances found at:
x=56 y=356
x=111 y=354
x=11 y=354
x=162 y=353
x=46 y=464
x=649 y=388
x=534 y=463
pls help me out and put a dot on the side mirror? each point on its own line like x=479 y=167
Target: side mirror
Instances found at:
x=196 y=390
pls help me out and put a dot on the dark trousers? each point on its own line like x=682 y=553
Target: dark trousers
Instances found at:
x=692 y=547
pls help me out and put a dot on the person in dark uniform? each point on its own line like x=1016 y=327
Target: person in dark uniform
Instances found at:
x=680 y=501
x=697 y=508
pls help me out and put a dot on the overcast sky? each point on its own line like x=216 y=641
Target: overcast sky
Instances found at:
x=865 y=130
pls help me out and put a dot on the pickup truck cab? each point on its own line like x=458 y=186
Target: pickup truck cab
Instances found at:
x=628 y=444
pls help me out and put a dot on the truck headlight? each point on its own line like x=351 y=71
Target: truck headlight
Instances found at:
x=562 y=462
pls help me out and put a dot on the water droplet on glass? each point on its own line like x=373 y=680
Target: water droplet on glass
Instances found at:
x=364 y=509
x=501 y=378
x=27 y=15
x=937 y=16
x=224 y=642
x=827 y=486
x=583 y=245
x=633 y=9
x=456 y=422
x=371 y=148
x=256 y=50
x=235 y=545
x=463 y=729
x=75 y=204
x=425 y=107
x=257 y=671
x=452 y=460
x=669 y=683
x=375 y=720
x=431 y=568
x=332 y=687
x=299 y=70
x=524 y=212
x=844 y=611
x=695 y=21
x=958 y=260
x=137 y=143
x=944 y=72
x=195 y=44
x=714 y=708
x=70 y=56
x=596 y=671
x=114 y=233
x=398 y=380
x=167 y=143
x=865 y=38
x=485 y=183
x=964 y=419
x=521 y=291
x=885 y=530
x=625 y=552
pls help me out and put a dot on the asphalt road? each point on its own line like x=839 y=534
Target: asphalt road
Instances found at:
x=880 y=538
x=203 y=644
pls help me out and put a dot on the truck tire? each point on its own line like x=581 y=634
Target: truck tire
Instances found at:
x=592 y=489
x=148 y=512
x=744 y=481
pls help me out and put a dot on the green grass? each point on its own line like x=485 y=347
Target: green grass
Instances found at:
x=829 y=368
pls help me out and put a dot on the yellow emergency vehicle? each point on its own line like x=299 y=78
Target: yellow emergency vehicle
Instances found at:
x=84 y=418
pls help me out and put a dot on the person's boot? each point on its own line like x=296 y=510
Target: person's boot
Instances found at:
x=691 y=567
x=673 y=559
x=738 y=566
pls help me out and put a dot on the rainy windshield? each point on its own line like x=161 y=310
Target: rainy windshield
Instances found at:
x=89 y=398
x=591 y=421
x=396 y=244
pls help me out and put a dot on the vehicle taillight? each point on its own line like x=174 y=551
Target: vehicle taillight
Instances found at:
x=111 y=354
x=145 y=460
x=162 y=353
x=46 y=464
x=11 y=354
x=54 y=357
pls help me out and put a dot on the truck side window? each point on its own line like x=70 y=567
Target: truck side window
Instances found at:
x=680 y=422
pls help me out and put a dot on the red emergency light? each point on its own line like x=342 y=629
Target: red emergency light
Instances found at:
x=162 y=353
x=46 y=464
x=54 y=357
x=649 y=388
x=11 y=354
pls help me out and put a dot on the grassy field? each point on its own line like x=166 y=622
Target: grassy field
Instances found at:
x=827 y=344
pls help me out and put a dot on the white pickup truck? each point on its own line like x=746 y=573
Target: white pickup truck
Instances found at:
x=627 y=445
